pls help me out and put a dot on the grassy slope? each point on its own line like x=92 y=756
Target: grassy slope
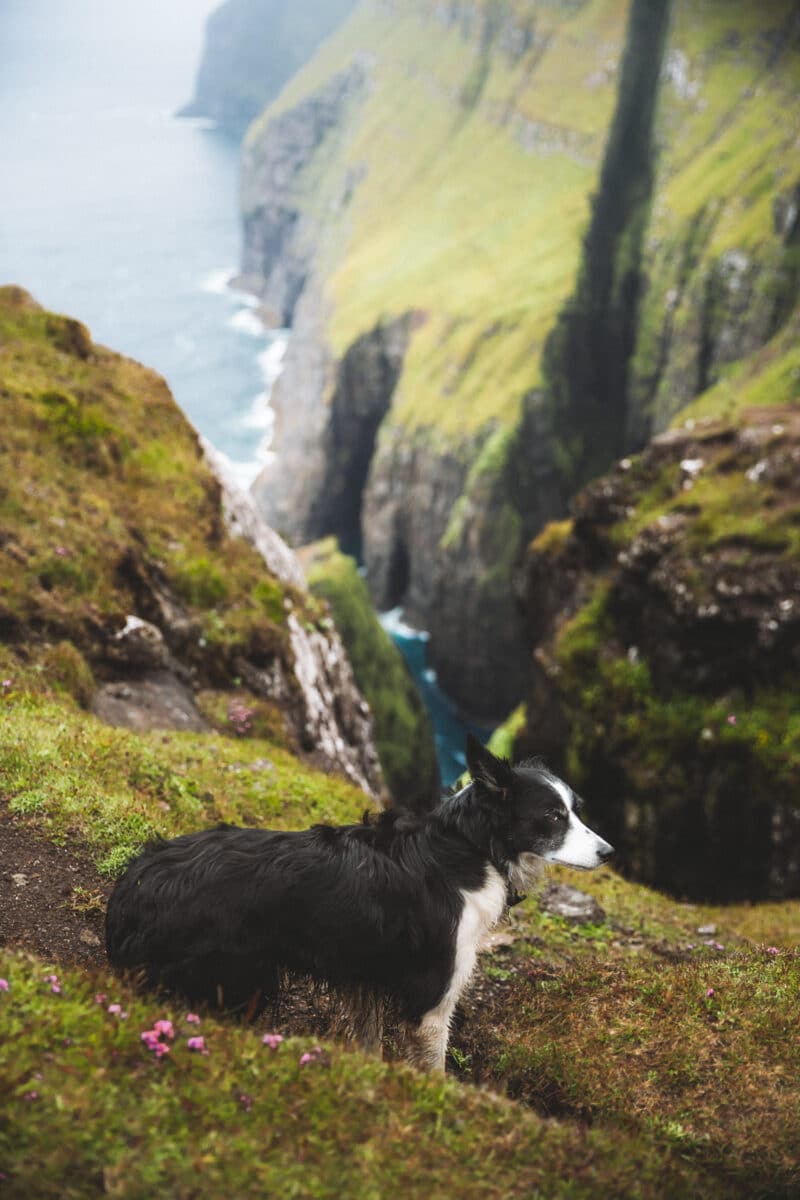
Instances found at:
x=402 y=727
x=65 y=772
x=727 y=148
x=99 y=464
x=87 y=1108
x=454 y=218
x=769 y=377
x=645 y=1024
x=578 y=1023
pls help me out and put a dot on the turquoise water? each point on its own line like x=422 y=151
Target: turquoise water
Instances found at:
x=114 y=211
x=450 y=730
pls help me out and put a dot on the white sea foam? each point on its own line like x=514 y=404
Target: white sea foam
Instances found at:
x=260 y=416
x=245 y=320
x=392 y=621
x=217 y=282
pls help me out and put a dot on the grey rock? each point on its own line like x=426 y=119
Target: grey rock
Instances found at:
x=157 y=700
x=562 y=900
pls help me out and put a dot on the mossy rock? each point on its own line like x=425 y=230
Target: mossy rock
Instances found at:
x=402 y=726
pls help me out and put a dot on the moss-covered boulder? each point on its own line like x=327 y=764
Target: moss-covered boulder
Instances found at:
x=402 y=726
x=665 y=630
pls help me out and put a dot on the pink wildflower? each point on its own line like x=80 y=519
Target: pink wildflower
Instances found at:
x=192 y=1019
x=731 y=718
x=161 y=1048
x=273 y=1040
x=100 y=998
x=709 y=993
x=770 y=950
x=196 y=1043
x=55 y=986
x=62 y=551
x=246 y=1101
x=31 y=1096
x=7 y=684
x=3 y=985
x=164 y=1027
x=114 y=1008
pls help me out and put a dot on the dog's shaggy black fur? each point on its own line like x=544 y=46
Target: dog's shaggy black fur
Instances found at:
x=376 y=910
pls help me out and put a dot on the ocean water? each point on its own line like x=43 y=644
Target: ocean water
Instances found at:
x=114 y=211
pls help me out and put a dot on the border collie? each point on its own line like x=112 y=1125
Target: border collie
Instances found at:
x=392 y=910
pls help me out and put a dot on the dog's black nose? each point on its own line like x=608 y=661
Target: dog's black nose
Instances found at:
x=606 y=852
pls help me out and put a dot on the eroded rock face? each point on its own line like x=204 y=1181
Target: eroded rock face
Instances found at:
x=440 y=542
x=330 y=718
x=313 y=487
x=665 y=633
x=281 y=239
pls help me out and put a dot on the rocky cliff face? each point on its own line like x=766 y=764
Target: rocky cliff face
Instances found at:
x=252 y=47
x=529 y=358
x=664 y=623
x=139 y=576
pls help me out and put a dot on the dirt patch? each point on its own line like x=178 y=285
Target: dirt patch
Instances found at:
x=52 y=900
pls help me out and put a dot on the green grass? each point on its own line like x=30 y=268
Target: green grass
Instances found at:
x=770 y=377
x=88 y=1106
x=68 y=775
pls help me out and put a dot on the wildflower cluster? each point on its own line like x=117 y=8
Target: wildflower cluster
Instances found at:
x=240 y=717
x=311 y=1056
x=158 y=1038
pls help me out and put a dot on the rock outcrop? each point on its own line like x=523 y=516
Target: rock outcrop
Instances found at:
x=252 y=47
x=664 y=624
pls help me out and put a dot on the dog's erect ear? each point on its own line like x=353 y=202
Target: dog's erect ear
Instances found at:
x=493 y=773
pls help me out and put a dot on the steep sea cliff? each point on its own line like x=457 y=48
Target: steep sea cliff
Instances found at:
x=418 y=202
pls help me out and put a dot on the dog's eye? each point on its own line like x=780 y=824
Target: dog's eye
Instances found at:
x=558 y=814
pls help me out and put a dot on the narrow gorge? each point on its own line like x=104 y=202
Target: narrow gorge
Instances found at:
x=434 y=421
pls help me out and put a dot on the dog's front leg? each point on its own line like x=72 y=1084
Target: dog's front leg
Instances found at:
x=428 y=1040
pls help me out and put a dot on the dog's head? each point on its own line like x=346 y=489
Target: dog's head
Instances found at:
x=540 y=815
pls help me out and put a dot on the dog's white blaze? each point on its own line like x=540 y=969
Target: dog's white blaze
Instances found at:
x=564 y=792
x=482 y=910
x=581 y=847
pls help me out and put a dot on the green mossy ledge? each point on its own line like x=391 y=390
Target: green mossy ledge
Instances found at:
x=402 y=727
x=110 y=510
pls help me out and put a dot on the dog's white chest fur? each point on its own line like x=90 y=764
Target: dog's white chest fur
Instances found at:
x=482 y=909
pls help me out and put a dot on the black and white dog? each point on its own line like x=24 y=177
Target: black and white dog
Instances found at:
x=392 y=910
